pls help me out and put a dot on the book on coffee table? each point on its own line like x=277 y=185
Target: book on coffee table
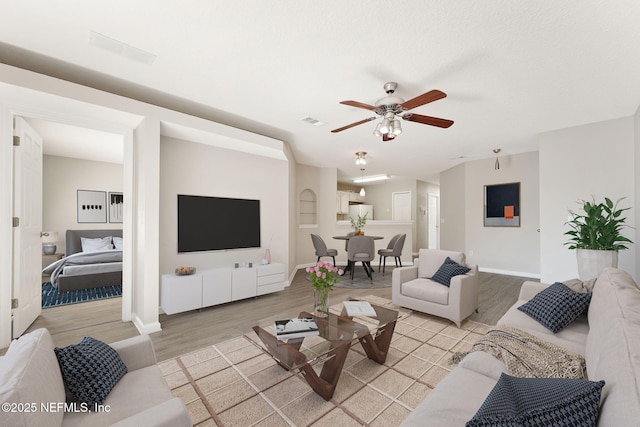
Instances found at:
x=296 y=328
x=358 y=308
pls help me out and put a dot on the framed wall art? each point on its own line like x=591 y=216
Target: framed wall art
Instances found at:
x=502 y=205
x=92 y=206
x=116 y=201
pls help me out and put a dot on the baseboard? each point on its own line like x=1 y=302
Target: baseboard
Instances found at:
x=510 y=273
x=145 y=328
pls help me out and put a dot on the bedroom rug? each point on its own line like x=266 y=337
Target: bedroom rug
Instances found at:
x=51 y=297
x=235 y=383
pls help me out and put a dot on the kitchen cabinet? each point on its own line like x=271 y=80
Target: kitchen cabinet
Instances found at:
x=356 y=197
x=342 y=199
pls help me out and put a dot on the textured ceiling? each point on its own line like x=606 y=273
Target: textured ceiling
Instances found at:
x=511 y=69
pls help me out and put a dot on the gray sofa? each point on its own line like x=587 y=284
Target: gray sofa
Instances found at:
x=608 y=337
x=31 y=385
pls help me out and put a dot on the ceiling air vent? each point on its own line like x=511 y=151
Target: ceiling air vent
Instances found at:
x=312 y=121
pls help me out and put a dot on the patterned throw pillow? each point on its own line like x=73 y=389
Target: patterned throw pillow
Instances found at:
x=447 y=270
x=556 y=306
x=90 y=369
x=539 y=402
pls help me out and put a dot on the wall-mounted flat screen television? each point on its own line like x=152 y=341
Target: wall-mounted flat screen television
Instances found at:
x=217 y=223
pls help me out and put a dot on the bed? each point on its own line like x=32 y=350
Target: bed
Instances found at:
x=87 y=269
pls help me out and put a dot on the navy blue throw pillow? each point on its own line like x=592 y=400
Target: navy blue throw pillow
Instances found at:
x=539 y=402
x=447 y=270
x=90 y=370
x=556 y=306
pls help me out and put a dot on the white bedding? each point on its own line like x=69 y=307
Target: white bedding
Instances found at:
x=78 y=270
x=83 y=263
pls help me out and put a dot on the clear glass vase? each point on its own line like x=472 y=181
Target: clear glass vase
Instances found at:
x=321 y=302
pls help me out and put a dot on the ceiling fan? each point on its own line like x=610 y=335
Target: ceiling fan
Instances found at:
x=391 y=107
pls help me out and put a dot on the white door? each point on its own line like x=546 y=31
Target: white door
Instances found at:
x=401 y=206
x=27 y=243
x=434 y=221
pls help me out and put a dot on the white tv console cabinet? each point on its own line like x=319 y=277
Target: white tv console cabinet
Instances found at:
x=218 y=286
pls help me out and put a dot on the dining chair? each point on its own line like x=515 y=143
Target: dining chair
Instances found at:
x=346 y=242
x=394 y=249
x=321 y=248
x=361 y=249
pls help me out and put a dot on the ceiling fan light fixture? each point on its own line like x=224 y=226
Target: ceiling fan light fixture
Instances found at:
x=385 y=126
x=396 y=128
x=360 y=158
x=376 y=131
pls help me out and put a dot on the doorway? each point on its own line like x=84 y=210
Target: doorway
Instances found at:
x=69 y=162
x=401 y=206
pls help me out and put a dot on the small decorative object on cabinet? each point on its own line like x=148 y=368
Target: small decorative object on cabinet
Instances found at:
x=185 y=271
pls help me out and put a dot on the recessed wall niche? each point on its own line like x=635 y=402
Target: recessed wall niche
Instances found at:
x=308 y=207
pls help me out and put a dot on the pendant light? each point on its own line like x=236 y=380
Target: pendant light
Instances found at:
x=362 y=192
x=497 y=164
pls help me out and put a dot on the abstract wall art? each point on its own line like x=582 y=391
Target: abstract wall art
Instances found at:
x=92 y=206
x=502 y=205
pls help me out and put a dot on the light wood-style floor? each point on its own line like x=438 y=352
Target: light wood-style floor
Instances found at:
x=185 y=332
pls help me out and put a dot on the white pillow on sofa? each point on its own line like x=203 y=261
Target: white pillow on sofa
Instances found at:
x=97 y=244
x=30 y=374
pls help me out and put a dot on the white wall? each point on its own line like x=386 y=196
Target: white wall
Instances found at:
x=62 y=177
x=636 y=144
x=453 y=206
x=202 y=170
x=577 y=163
x=506 y=250
x=323 y=182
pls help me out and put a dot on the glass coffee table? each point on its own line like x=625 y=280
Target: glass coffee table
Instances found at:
x=331 y=346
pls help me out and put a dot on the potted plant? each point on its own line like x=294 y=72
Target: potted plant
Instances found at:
x=596 y=234
x=358 y=224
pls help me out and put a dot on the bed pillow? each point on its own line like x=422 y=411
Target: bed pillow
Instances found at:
x=556 y=306
x=540 y=402
x=447 y=270
x=90 y=370
x=97 y=244
x=117 y=243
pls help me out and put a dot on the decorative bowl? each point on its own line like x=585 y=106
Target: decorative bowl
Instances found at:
x=185 y=271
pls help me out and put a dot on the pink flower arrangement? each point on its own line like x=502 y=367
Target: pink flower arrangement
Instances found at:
x=324 y=275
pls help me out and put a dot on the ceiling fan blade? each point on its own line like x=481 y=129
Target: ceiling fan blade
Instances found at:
x=425 y=98
x=428 y=120
x=353 y=124
x=385 y=137
x=359 y=105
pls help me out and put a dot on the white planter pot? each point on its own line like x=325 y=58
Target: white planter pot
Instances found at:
x=592 y=262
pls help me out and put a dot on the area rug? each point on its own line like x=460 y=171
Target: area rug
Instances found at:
x=361 y=281
x=51 y=297
x=236 y=383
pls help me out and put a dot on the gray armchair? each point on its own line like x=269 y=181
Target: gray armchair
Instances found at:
x=413 y=287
